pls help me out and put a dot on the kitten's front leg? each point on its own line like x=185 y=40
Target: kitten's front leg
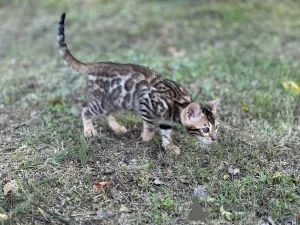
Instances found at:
x=167 y=142
x=88 y=127
x=148 y=131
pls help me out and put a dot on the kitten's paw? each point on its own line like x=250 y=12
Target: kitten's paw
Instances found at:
x=120 y=130
x=115 y=126
x=90 y=132
x=147 y=136
x=172 y=149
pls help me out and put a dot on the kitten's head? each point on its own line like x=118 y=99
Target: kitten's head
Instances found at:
x=200 y=121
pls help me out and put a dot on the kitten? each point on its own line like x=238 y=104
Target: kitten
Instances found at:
x=159 y=101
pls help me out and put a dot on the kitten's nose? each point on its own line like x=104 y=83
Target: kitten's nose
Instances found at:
x=213 y=137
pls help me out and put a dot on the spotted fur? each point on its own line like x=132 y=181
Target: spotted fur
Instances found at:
x=159 y=101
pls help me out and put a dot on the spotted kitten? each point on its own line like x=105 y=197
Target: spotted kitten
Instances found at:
x=159 y=101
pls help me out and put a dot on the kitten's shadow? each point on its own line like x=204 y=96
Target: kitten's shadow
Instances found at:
x=197 y=213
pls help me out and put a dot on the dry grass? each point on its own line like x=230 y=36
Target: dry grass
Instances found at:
x=241 y=50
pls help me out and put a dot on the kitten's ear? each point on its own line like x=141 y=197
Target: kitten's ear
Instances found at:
x=193 y=110
x=212 y=105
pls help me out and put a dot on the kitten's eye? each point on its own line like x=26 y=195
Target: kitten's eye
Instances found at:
x=216 y=128
x=205 y=130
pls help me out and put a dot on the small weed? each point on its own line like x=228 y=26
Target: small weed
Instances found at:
x=162 y=205
x=168 y=203
x=82 y=151
x=57 y=104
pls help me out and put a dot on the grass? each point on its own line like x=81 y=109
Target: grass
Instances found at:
x=242 y=50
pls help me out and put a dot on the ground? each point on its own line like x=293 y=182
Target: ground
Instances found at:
x=241 y=50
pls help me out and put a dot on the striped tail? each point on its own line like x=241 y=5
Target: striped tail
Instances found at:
x=64 y=51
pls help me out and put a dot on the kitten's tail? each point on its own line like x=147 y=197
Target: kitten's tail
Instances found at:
x=64 y=51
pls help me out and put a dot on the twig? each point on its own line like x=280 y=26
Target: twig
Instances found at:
x=19 y=125
x=54 y=214
x=45 y=220
x=83 y=213
x=89 y=218
x=87 y=200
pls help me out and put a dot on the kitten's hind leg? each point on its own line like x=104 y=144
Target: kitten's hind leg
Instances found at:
x=167 y=143
x=114 y=125
x=88 y=127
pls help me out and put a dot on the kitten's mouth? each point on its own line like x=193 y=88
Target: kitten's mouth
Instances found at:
x=204 y=141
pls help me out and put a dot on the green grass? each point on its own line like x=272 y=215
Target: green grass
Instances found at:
x=241 y=50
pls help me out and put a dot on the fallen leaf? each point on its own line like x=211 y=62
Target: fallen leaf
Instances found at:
x=244 y=107
x=99 y=185
x=226 y=176
x=124 y=209
x=42 y=212
x=225 y=213
x=3 y=216
x=291 y=86
x=10 y=186
x=151 y=189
